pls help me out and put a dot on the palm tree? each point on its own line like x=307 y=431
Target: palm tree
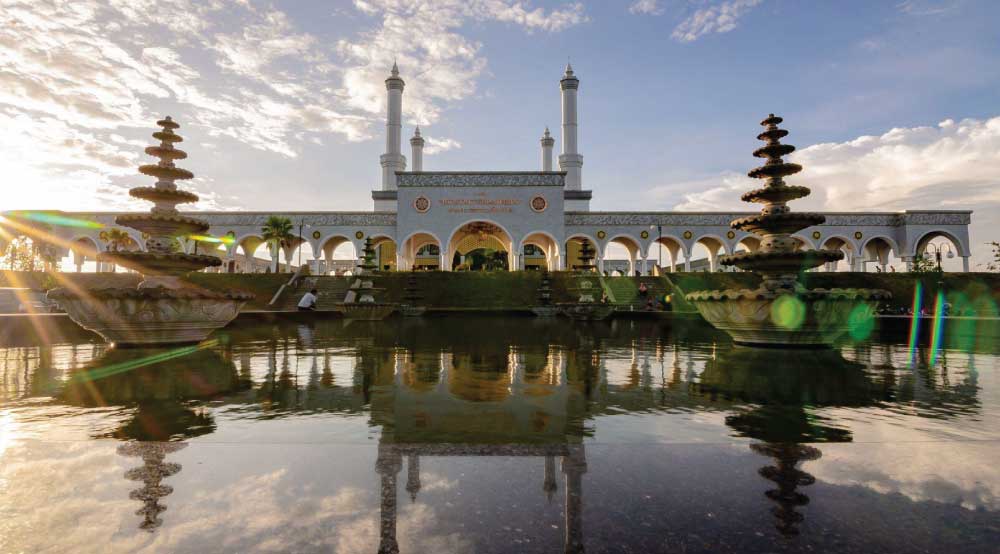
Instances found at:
x=116 y=239
x=277 y=232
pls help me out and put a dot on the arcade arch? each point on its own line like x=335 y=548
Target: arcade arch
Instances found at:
x=625 y=243
x=536 y=245
x=672 y=247
x=481 y=245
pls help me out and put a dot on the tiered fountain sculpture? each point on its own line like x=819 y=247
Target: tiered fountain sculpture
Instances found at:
x=590 y=304
x=782 y=312
x=359 y=302
x=164 y=309
x=412 y=298
x=544 y=308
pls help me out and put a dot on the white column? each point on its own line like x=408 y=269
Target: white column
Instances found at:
x=393 y=160
x=570 y=160
x=687 y=263
x=644 y=267
x=417 y=151
x=965 y=264
x=547 y=143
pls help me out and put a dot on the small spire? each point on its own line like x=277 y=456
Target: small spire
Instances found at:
x=395 y=69
x=569 y=70
x=417 y=132
x=546 y=135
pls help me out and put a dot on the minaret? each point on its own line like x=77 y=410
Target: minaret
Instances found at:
x=417 y=148
x=393 y=160
x=547 y=143
x=570 y=160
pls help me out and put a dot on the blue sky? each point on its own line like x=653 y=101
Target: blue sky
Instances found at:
x=282 y=103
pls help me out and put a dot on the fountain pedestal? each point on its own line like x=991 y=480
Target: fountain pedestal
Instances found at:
x=164 y=309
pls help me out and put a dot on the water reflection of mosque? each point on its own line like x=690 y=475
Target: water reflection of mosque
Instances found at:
x=536 y=393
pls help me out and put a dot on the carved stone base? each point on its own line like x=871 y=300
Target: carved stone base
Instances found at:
x=587 y=312
x=366 y=311
x=412 y=311
x=151 y=316
x=808 y=319
x=545 y=311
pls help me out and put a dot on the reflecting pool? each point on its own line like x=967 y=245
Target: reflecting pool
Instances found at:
x=493 y=434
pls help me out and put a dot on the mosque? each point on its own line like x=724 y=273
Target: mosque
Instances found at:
x=519 y=220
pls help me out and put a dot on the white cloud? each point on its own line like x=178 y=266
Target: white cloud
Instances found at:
x=646 y=7
x=435 y=146
x=717 y=18
x=438 y=62
x=954 y=165
x=926 y=7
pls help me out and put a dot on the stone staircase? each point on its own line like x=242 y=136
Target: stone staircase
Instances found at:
x=623 y=292
x=331 y=290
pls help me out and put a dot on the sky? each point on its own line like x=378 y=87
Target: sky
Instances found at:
x=893 y=104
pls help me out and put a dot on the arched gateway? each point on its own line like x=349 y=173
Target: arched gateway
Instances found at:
x=529 y=220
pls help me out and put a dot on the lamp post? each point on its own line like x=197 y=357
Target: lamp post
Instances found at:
x=937 y=249
x=302 y=223
x=659 y=244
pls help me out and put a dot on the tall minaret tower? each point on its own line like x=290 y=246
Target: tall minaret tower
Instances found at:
x=570 y=160
x=547 y=143
x=393 y=159
x=417 y=149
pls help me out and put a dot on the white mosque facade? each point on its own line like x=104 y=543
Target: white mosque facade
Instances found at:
x=434 y=220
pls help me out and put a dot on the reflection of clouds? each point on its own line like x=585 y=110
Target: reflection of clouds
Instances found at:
x=272 y=511
x=435 y=482
x=955 y=473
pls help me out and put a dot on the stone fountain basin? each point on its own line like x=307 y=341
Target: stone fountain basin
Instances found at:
x=163 y=225
x=153 y=263
x=366 y=311
x=150 y=316
x=824 y=315
x=781 y=262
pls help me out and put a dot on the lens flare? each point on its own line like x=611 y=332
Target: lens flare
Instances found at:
x=861 y=322
x=788 y=312
x=225 y=239
x=114 y=369
x=55 y=219
x=936 y=328
x=918 y=295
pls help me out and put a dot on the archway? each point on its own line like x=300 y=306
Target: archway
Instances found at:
x=839 y=243
x=81 y=255
x=385 y=252
x=420 y=251
x=942 y=249
x=539 y=250
x=480 y=246
x=709 y=247
x=575 y=259
x=245 y=251
x=340 y=257
x=878 y=250
x=626 y=247
x=666 y=248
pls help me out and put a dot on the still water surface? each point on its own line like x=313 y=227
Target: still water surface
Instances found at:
x=489 y=434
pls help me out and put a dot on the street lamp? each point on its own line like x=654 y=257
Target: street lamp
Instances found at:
x=302 y=223
x=659 y=244
x=937 y=249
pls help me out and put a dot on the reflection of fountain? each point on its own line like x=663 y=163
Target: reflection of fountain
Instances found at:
x=164 y=309
x=359 y=302
x=157 y=383
x=782 y=312
x=151 y=472
x=789 y=478
x=780 y=384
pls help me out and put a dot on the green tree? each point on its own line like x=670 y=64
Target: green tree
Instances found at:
x=116 y=239
x=277 y=232
x=22 y=254
x=923 y=264
x=994 y=265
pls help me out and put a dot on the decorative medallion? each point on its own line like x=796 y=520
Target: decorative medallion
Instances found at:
x=688 y=234
x=858 y=235
x=644 y=234
x=539 y=203
x=359 y=235
x=730 y=235
x=421 y=204
x=317 y=235
x=601 y=235
x=816 y=235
